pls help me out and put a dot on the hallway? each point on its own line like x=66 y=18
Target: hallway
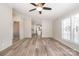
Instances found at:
x=40 y=47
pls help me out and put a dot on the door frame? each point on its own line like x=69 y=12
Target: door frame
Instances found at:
x=14 y=39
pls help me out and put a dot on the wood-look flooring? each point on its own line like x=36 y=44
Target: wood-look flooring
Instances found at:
x=40 y=47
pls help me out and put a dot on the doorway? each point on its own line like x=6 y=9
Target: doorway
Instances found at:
x=37 y=31
x=16 y=31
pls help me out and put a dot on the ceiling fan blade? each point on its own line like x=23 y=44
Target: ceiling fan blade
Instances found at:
x=47 y=8
x=40 y=12
x=43 y=4
x=33 y=4
x=32 y=9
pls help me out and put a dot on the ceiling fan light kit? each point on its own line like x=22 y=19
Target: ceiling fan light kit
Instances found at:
x=39 y=7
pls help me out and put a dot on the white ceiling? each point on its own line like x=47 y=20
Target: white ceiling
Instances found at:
x=58 y=9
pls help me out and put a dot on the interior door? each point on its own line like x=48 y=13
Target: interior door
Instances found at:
x=15 y=31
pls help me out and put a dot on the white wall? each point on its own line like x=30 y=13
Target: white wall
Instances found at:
x=47 y=28
x=5 y=26
x=57 y=29
x=27 y=27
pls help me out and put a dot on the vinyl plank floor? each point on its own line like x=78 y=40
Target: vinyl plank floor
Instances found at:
x=40 y=47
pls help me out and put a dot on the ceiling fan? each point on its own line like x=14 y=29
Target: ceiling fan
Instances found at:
x=39 y=7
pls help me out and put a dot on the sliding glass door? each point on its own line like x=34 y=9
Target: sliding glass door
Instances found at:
x=66 y=29
x=75 y=23
x=70 y=29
